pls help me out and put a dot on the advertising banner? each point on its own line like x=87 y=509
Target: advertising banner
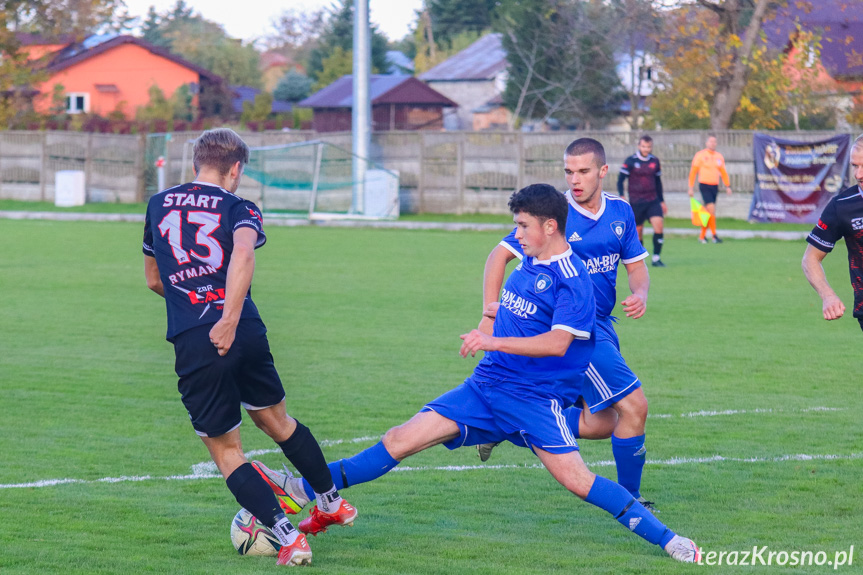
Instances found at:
x=795 y=180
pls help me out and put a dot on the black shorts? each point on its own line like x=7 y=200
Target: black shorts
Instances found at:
x=213 y=387
x=646 y=210
x=860 y=319
x=709 y=193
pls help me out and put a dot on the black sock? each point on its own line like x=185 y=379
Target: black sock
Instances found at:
x=305 y=454
x=657 y=244
x=252 y=492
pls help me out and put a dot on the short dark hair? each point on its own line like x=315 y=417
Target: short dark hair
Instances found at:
x=543 y=202
x=583 y=146
x=220 y=148
x=646 y=138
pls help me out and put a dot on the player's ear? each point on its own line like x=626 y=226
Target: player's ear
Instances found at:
x=603 y=170
x=236 y=169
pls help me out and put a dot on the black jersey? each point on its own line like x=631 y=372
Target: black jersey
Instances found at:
x=644 y=178
x=843 y=218
x=189 y=229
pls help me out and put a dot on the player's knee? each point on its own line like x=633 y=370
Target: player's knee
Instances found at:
x=633 y=408
x=278 y=426
x=263 y=426
x=396 y=441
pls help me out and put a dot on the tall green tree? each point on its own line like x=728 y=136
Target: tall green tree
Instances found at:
x=259 y=110
x=80 y=18
x=781 y=89
x=293 y=87
x=17 y=73
x=338 y=32
x=203 y=42
x=339 y=63
x=561 y=63
x=449 y=18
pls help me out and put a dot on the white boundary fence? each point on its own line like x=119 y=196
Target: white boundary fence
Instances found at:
x=440 y=172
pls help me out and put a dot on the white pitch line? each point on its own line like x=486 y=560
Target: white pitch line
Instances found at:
x=605 y=463
x=760 y=410
x=207 y=469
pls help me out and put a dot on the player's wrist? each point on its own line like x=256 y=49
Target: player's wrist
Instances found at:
x=231 y=318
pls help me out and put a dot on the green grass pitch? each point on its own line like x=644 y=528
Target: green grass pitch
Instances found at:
x=742 y=374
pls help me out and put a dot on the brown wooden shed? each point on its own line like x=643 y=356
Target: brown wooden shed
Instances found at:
x=398 y=103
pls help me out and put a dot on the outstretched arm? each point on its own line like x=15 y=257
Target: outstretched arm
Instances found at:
x=639 y=284
x=492 y=281
x=832 y=307
x=548 y=344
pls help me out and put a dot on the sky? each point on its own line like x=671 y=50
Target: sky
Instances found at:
x=250 y=19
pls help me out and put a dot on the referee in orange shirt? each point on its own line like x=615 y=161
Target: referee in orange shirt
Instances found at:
x=708 y=166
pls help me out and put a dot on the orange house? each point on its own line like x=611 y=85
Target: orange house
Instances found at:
x=113 y=75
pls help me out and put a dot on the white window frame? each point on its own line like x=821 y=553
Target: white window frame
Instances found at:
x=71 y=99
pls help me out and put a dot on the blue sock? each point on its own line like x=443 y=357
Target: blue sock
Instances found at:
x=610 y=496
x=629 y=456
x=362 y=467
x=573 y=418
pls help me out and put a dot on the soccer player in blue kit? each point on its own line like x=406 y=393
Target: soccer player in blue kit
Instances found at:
x=199 y=254
x=600 y=228
x=542 y=343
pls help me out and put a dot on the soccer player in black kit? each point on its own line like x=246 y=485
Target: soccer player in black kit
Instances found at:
x=199 y=254
x=841 y=218
x=645 y=193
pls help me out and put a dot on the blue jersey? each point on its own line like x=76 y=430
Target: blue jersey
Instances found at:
x=540 y=296
x=602 y=240
x=189 y=229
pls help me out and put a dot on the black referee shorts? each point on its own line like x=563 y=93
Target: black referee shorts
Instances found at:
x=213 y=387
x=709 y=193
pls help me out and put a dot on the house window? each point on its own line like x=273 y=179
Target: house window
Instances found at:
x=646 y=72
x=77 y=102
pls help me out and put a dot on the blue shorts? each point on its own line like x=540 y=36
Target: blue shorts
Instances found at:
x=489 y=411
x=213 y=387
x=608 y=378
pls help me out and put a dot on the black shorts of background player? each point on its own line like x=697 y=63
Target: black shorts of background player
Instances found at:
x=645 y=193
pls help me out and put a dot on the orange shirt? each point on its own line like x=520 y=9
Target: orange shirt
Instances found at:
x=708 y=166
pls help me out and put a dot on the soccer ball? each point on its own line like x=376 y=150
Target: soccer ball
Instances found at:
x=250 y=537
